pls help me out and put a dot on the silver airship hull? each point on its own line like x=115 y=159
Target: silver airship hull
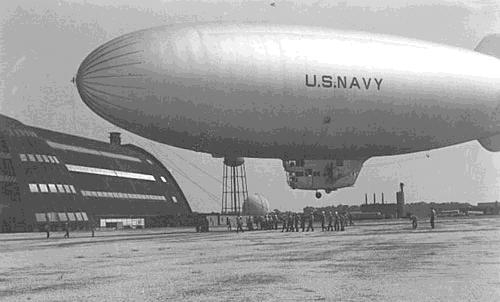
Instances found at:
x=278 y=91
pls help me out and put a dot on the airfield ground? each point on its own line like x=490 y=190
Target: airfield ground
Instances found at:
x=371 y=261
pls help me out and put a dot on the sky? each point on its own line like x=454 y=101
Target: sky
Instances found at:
x=42 y=43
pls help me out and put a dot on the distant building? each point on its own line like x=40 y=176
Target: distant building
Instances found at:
x=386 y=210
x=51 y=178
x=488 y=207
x=423 y=209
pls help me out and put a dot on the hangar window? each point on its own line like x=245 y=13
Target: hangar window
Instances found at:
x=62 y=216
x=299 y=174
x=92 y=151
x=33 y=188
x=106 y=172
x=84 y=215
x=60 y=188
x=52 y=188
x=79 y=216
x=31 y=157
x=40 y=217
x=43 y=188
x=71 y=216
x=23 y=157
x=174 y=199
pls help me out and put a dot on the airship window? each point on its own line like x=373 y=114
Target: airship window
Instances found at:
x=31 y=157
x=39 y=158
x=46 y=158
x=339 y=162
x=174 y=199
x=316 y=173
x=72 y=189
x=163 y=179
x=23 y=157
x=300 y=163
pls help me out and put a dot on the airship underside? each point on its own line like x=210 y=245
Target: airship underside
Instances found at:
x=291 y=92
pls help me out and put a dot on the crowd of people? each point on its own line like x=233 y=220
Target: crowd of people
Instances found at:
x=293 y=222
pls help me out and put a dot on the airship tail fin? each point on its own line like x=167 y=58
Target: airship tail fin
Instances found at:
x=490 y=45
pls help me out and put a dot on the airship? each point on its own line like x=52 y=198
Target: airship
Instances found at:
x=321 y=100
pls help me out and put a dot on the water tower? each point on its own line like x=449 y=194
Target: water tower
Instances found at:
x=234 y=185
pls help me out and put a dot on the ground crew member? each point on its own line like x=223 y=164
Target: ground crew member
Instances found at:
x=275 y=220
x=336 y=221
x=239 y=224
x=413 y=219
x=310 y=222
x=323 y=221
x=433 y=216
x=342 y=222
x=330 y=222
x=228 y=223
x=350 y=218
x=296 y=221
x=66 y=228
x=249 y=223
x=47 y=230
x=285 y=227
x=303 y=222
x=290 y=223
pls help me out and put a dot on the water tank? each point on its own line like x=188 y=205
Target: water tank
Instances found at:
x=255 y=205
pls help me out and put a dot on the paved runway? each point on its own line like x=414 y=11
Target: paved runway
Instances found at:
x=371 y=261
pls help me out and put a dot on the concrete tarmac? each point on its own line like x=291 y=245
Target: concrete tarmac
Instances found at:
x=371 y=261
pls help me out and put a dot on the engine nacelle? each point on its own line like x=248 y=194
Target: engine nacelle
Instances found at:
x=328 y=175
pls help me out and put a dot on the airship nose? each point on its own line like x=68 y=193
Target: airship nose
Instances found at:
x=109 y=79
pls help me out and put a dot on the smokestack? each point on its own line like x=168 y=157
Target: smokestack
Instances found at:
x=374 y=198
x=115 y=139
x=366 y=198
x=382 y=197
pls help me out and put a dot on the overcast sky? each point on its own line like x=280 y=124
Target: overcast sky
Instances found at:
x=42 y=44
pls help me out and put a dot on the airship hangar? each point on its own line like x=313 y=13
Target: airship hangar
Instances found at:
x=51 y=178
